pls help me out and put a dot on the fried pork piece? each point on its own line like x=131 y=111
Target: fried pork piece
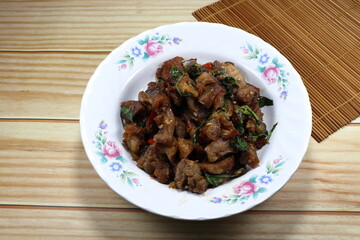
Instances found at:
x=134 y=138
x=185 y=86
x=195 y=110
x=135 y=107
x=188 y=173
x=155 y=97
x=212 y=130
x=250 y=156
x=218 y=149
x=246 y=93
x=219 y=167
x=166 y=126
x=211 y=93
x=186 y=146
x=165 y=72
x=153 y=163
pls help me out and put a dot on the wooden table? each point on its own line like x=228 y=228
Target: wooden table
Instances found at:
x=48 y=188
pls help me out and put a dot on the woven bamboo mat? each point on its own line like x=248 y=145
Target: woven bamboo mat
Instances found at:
x=320 y=39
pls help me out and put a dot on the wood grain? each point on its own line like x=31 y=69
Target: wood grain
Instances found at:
x=86 y=25
x=45 y=85
x=43 y=163
x=79 y=224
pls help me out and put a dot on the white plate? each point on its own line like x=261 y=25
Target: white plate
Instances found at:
x=129 y=68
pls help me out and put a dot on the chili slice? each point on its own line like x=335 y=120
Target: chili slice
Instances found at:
x=208 y=65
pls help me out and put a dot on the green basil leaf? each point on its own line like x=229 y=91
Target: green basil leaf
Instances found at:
x=239 y=144
x=175 y=72
x=194 y=70
x=264 y=101
x=217 y=179
x=271 y=131
x=245 y=109
x=127 y=113
x=218 y=73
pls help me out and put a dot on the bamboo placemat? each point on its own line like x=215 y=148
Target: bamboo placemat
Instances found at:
x=320 y=39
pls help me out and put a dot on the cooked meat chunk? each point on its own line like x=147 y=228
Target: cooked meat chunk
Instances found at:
x=251 y=156
x=165 y=73
x=218 y=149
x=180 y=128
x=212 y=130
x=185 y=86
x=206 y=78
x=250 y=125
x=169 y=151
x=247 y=94
x=207 y=98
x=167 y=127
x=130 y=110
x=232 y=71
x=152 y=163
x=134 y=138
x=185 y=147
x=174 y=95
x=195 y=110
x=219 y=167
x=188 y=173
x=198 y=125
x=228 y=130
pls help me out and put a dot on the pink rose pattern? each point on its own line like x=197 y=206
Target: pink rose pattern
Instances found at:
x=246 y=188
x=110 y=153
x=149 y=47
x=153 y=48
x=272 y=72
x=253 y=186
x=110 y=149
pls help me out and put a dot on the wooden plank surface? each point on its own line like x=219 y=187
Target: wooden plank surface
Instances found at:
x=85 y=25
x=119 y=224
x=43 y=163
x=45 y=85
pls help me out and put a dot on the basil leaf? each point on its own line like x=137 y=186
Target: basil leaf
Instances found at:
x=194 y=70
x=245 y=109
x=218 y=73
x=271 y=131
x=239 y=144
x=229 y=83
x=264 y=101
x=127 y=113
x=266 y=134
x=175 y=72
x=217 y=179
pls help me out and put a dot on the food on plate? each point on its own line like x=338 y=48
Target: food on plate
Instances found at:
x=197 y=126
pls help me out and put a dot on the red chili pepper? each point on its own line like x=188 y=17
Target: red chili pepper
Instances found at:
x=151 y=141
x=151 y=117
x=152 y=175
x=208 y=65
